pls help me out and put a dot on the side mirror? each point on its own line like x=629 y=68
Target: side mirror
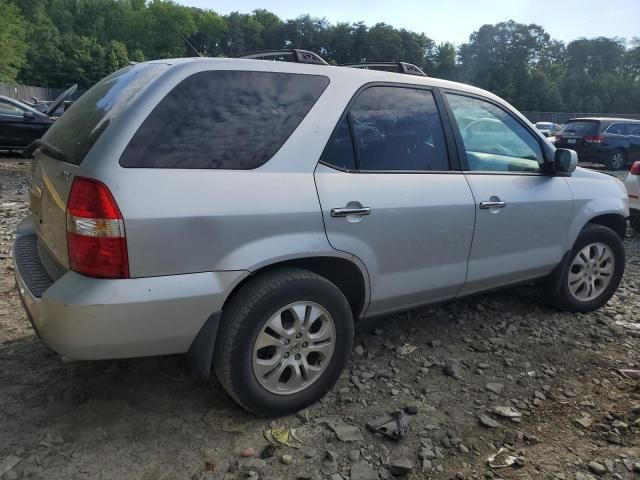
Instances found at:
x=565 y=160
x=28 y=116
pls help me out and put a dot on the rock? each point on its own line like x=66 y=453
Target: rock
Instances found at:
x=636 y=467
x=309 y=452
x=362 y=471
x=426 y=454
x=346 y=433
x=488 y=421
x=354 y=455
x=463 y=448
x=506 y=412
x=597 y=468
x=359 y=350
x=331 y=456
x=248 y=452
x=585 y=422
x=378 y=332
x=286 y=459
x=452 y=369
x=400 y=466
x=411 y=409
x=495 y=388
x=268 y=451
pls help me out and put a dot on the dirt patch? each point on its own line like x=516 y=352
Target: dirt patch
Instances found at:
x=147 y=419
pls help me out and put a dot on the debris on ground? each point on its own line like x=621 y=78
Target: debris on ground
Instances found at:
x=502 y=459
x=282 y=435
x=394 y=425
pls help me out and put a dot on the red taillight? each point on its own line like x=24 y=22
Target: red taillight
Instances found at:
x=635 y=168
x=96 y=238
x=593 y=139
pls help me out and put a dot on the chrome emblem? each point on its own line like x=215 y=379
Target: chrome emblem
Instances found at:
x=64 y=175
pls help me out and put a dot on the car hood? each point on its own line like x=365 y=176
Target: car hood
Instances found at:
x=58 y=101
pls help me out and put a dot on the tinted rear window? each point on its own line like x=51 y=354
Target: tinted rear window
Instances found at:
x=223 y=120
x=581 y=128
x=80 y=127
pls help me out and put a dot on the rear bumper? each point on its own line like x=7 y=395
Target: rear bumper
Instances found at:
x=88 y=319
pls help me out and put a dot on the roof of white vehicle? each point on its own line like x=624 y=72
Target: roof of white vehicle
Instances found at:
x=334 y=72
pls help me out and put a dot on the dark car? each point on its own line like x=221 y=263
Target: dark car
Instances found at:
x=613 y=142
x=21 y=124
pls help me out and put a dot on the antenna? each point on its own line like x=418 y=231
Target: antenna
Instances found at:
x=189 y=43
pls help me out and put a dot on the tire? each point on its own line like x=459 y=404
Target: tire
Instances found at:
x=244 y=328
x=617 y=160
x=593 y=236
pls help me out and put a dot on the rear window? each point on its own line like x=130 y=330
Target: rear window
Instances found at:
x=581 y=128
x=80 y=127
x=223 y=120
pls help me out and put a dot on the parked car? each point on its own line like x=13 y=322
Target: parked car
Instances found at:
x=613 y=142
x=632 y=182
x=548 y=129
x=21 y=124
x=228 y=209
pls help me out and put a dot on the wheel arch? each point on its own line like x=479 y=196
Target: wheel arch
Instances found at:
x=346 y=274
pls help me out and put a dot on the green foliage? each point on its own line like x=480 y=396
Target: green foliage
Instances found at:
x=59 y=42
x=13 y=46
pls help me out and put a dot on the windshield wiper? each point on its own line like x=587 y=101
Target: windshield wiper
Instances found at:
x=45 y=147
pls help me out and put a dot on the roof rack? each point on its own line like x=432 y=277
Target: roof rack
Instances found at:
x=400 y=67
x=296 y=55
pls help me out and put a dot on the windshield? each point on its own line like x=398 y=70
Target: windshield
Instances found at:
x=81 y=126
x=581 y=127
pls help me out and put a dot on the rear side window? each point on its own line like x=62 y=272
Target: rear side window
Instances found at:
x=394 y=128
x=223 y=120
x=75 y=132
x=617 y=129
x=581 y=128
x=634 y=128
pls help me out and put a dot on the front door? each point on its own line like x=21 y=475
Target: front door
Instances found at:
x=522 y=214
x=390 y=198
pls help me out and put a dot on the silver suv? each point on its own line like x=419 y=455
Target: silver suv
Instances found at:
x=249 y=212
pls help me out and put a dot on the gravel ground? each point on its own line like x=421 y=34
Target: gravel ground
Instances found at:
x=577 y=417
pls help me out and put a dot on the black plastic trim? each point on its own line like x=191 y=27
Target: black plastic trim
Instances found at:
x=29 y=266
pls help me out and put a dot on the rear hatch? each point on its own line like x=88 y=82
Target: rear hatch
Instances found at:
x=65 y=146
x=573 y=134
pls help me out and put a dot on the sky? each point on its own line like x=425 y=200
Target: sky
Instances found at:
x=454 y=20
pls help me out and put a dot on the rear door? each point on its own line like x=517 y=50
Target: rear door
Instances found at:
x=522 y=214
x=390 y=197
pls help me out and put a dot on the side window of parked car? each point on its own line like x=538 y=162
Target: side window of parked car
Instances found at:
x=494 y=140
x=220 y=119
x=617 y=129
x=634 y=129
x=395 y=129
x=10 y=109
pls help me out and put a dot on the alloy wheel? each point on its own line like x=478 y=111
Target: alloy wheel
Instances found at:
x=294 y=348
x=591 y=272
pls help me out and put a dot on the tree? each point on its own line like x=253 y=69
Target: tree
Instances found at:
x=13 y=46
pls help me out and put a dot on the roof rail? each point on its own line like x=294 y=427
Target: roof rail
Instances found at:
x=400 y=67
x=296 y=55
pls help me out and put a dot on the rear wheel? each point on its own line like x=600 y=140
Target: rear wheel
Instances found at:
x=593 y=272
x=617 y=161
x=284 y=340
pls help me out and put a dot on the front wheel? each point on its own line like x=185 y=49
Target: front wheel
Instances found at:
x=593 y=271
x=284 y=340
